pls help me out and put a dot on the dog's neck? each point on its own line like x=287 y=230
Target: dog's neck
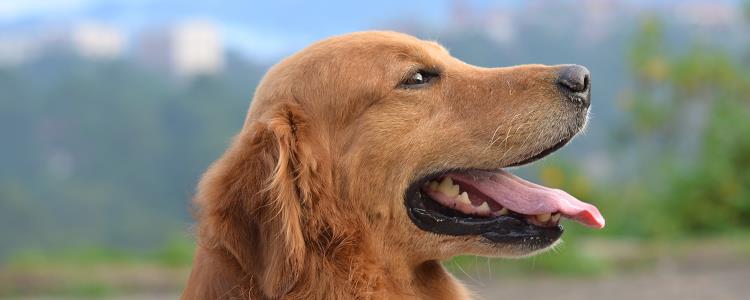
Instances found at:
x=365 y=275
x=388 y=276
x=367 y=269
x=424 y=280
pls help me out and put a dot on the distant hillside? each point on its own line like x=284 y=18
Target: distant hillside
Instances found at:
x=106 y=153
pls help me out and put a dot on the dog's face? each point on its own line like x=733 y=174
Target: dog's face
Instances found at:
x=417 y=141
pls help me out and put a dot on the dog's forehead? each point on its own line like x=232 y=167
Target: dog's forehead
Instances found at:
x=437 y=46
x=363 y=64
x=388 y=44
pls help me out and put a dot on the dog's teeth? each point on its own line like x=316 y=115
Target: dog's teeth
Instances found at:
x=555 y=217
x=463 y=198
x=452 y=192
x=543 y=217
x=484 y=208
x=502 y=212
x=446 y=185
x=434 y=185
x=448 y=188
x=446 y=182
x=456 y=190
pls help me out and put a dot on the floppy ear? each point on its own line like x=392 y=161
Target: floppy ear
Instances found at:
x=253 y=199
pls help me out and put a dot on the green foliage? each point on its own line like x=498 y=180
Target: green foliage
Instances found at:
x=647 y=52
x=176 y=252
x=692 y=136
x=715 y=194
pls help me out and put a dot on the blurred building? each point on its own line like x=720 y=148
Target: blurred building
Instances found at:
x=708 y=14
x=95 y=40
x=500 y=26
x=89 y=40
x=497 y=22
x=599 y=18
x=185 y=49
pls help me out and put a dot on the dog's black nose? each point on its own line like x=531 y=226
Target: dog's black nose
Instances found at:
x=575 y=82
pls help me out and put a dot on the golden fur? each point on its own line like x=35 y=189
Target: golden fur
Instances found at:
x=308 y=201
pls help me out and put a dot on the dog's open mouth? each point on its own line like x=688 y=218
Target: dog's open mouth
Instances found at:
x=497 y=205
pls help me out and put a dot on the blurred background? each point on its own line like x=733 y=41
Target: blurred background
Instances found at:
x=111 y=109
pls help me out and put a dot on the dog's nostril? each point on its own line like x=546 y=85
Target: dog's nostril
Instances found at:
x=586 y=81
x=575 y=82
x=575 y=78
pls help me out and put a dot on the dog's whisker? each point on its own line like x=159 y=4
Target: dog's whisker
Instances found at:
x=526 y=139
x=489 y=268
x=493 y=140
x=458 y=266
x=516 y=128
x=476 y=270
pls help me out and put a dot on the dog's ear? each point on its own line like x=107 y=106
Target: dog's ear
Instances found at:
x=253 y=199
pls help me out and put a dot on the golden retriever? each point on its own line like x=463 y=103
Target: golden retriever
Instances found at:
x=367 y=159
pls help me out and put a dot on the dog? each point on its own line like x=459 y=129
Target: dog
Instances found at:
x=368 y=158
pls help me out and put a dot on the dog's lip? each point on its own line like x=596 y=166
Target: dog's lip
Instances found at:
x=541 y=154
x=431 y=216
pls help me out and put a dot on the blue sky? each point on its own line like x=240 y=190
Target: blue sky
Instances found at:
x=264 y=29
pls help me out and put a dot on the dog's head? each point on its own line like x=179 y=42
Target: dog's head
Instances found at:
x=388 y=140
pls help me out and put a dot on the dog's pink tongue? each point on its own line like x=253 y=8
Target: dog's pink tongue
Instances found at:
x=529 y=198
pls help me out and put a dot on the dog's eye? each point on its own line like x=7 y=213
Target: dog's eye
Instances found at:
x=417 y=79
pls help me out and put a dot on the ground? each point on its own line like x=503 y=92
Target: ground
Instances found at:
x=716 y=268
x=730 y=282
